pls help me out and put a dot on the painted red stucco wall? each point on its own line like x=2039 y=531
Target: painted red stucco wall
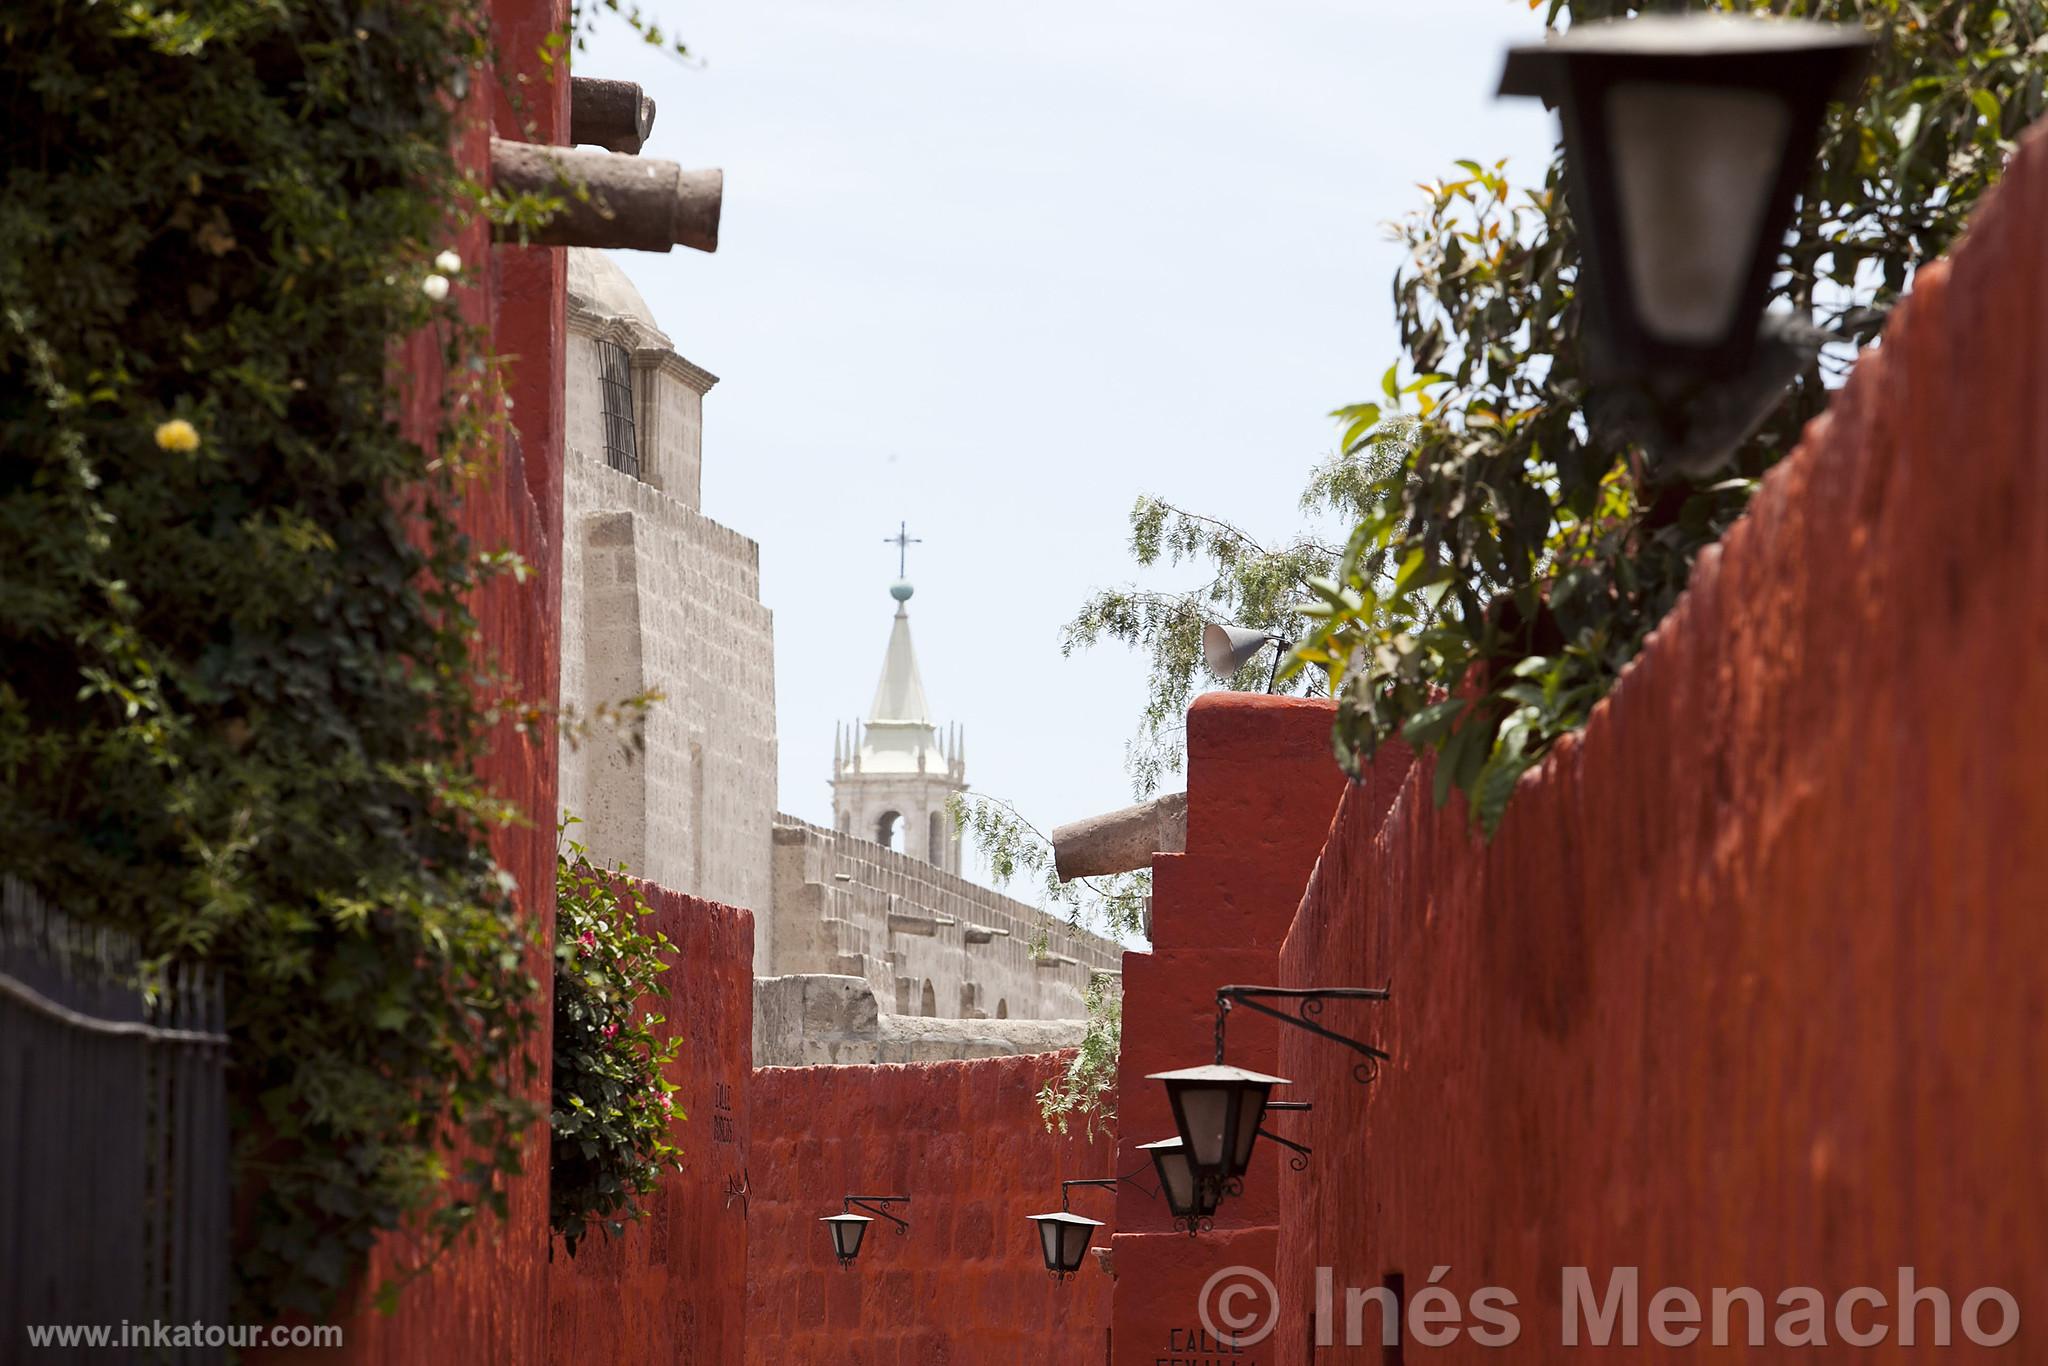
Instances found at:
x=1262 y=788
x=1749 y=990
x=673 y=1288
x=967 y=1286
x=486 y=1297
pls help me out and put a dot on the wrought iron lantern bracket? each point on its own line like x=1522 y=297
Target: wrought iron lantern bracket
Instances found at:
x=1103 y=1183
x=1302 y=1152
x=877 y=1205
x=1308 y=1006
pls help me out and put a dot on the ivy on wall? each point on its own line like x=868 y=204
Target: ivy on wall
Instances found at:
x=238 y=679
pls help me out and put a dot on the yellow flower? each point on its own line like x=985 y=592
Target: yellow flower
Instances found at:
x=177 y=435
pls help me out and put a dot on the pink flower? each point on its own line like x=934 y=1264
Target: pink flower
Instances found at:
x=586 y=942
x=611 y=1031
x=668 y=1102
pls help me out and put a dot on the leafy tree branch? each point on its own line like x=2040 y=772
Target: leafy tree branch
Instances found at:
x=1533 y=544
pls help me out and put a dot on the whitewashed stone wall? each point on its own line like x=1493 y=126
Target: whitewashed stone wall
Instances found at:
x=818 y=1020
x=658 y=597
x=847 y=906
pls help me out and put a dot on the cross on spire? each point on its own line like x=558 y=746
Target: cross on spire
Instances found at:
x=902 y=540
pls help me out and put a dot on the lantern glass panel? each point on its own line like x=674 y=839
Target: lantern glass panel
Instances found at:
x=1049 y=1237
x=1063 y=1240
x=1176 y=1176
x=1251 y=1108
x=847 y=1232
x=1074 y=1239
x=1695 y=166
x=1205 y=1114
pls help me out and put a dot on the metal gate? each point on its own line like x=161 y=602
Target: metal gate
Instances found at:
x=113 y=1142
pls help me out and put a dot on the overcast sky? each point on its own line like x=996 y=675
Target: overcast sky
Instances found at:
x=996 y=271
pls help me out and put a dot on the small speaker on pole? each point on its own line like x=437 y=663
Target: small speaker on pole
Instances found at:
x=1227 y=649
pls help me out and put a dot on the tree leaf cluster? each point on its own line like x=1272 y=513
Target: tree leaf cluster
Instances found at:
x=1249 y=584
x=1505 y=573
x=1014 y=848
x=1084 y=1092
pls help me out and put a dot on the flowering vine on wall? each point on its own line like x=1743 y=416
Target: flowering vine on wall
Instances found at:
x=613 y=1104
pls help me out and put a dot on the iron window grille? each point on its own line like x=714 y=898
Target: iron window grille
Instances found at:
x=615 y=376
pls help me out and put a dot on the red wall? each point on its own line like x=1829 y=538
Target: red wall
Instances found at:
x=1749 y=989
x=1261 y=791
x=485 y=1298
x=968 y=1285
x=673 y=1289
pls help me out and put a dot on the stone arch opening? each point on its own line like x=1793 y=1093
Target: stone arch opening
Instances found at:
x=889 y=829
x=928 y=1002
x=1003 y=1009
x=935 y=840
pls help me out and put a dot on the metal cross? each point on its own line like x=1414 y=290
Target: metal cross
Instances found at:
x=902 y=540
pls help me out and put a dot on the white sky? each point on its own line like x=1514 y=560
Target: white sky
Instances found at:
x=997 y=270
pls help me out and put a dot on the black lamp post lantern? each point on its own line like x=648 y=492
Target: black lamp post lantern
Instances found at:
x=848 y=1228
x=1686 y=140
x=1189 y=1199
x=847 y=1231
x=1064 y=1237
x=1217 y=1108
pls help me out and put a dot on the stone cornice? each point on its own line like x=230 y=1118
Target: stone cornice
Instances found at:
x=633 y=335
x=651 y=347
x=670 y=363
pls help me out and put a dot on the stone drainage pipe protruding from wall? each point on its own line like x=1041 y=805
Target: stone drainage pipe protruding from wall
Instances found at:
x=1121 y=841
x=610 y=200
x=616 y=115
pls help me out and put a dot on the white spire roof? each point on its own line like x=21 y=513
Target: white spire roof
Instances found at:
x=899 y=697
x=900 y=736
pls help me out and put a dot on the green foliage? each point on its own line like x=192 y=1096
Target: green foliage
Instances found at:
x=1085 y=1093
x=585 y=14
x=1015 y=847
x=1504 y=574
x=1249 y=584
x=238 y=673
x=613 y=1105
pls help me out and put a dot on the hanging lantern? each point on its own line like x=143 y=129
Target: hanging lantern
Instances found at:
x=1217 y=1109
x=1686 y=140
x=1064 y=1239
x=1190 y=1200
x=847 y=1232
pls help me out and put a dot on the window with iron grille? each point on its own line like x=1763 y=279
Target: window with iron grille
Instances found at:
x=615 y=375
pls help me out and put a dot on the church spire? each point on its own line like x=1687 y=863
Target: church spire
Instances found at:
x=892 y=780
x=900 y=695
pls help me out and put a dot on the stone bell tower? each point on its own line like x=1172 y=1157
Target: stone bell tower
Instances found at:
x=892 y=774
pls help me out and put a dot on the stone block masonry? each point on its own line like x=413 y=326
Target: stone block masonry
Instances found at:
x=817 y=1020
x=658 y=597
x=846 y=906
